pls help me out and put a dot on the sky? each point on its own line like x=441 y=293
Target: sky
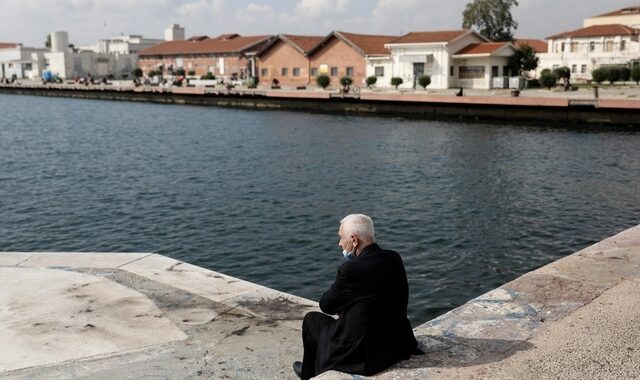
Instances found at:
x=29 y=21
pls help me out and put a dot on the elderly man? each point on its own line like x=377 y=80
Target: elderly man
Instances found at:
x=369 y=296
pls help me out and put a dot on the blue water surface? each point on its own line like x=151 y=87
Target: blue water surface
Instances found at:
x=259 y=194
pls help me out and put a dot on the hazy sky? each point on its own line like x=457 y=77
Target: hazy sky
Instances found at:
x=29 y=21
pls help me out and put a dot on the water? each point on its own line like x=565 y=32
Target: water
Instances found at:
x=258 y=194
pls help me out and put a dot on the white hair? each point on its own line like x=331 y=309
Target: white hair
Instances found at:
x=359 y=225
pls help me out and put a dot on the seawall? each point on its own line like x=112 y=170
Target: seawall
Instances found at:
x=550 y=111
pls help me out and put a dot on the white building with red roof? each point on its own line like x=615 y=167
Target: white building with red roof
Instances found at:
x=629 y=16
x=452 y=58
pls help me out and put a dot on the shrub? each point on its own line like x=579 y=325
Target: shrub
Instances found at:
x=192 y=72
x=371 y=81
x=533 y=83
x=323 y=80
x=625 y=74
x=548 y=79
x=562 y=72
x=137 y=72
x=424 y=81
x=635 y=74
x=396 y=81
x=208 y=76
x=180 y=72
x=152 y=73
x=614 y=74
x=600 y=74
x=346 y=81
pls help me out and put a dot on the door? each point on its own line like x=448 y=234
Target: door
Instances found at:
x=418 y=70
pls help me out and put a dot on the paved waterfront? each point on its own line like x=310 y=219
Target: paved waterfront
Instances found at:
x=137 y=315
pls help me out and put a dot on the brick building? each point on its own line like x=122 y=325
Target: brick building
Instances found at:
x=345 y=54
x=285 y=59
x=224 y=55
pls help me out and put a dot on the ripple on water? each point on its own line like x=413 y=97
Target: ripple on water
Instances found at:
x=258 y=195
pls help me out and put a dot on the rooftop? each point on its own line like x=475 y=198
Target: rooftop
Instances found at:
x=7 y=45
x=487 y=48
x=539 y=46
x=430 y=37
x=609 y=30
x=222 y=44
x=622 y=12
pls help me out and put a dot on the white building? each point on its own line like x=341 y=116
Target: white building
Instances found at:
x=456 y=58
x=20 y=62
x=174 y=33
x=124 y=44
x=629 y=16
x=67 y=64
x=585 y=49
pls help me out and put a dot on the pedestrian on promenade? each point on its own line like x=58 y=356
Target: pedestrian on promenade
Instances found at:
x=369 y=296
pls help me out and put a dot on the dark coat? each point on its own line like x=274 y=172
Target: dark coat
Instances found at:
x=372 y=332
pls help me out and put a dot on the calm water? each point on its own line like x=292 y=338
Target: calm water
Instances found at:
x=258 y=195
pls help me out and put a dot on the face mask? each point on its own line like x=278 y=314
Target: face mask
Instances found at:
x=348 y=255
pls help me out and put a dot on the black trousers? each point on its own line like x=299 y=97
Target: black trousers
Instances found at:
x=312 y=325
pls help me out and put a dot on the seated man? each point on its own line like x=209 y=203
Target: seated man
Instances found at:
x=369 y=296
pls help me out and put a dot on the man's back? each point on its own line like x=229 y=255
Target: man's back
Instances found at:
x=370 y=297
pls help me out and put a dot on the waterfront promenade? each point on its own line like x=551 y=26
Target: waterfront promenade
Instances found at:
x=131 y=315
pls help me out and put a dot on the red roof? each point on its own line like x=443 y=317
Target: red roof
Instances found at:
x=206 y=46
x=368 y=43
x=599 y=31
x=429 y=37
x=7 y=45
x=303 y=43
x=622 y=12
x=484 y=48
x=538 y=46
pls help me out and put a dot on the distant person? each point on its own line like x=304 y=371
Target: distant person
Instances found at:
x=369 y=296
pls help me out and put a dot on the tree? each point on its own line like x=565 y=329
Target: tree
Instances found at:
x=424 y=81
x=396 y=81
x=562 y=72
x=47 y=42
x=524 y=59
x=600 y=74
x=371 y=81
x=346 y=81
x=614 y=74
x=323 y=81
x=491 y=18
x=625 y=74
x=137 y=72
x=548 y=79
x=635 y=74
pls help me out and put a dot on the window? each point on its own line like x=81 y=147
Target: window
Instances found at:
x=583 y=69
x=574 y=69
x=562 y=47
x=592 y=46
x=350 y=71
x=471 y=72
x=264 y=72
x=296 y=71
x=575 y=47
x=495 y=71
x=505 y=71
x=608 y=46
x=285 y=71
x=28 y=66
x=451 y=71
x=623 y=45
x=379 y=71
x=314 y=72
x=334 y=71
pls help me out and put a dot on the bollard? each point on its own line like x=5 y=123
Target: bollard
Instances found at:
x=595 y=92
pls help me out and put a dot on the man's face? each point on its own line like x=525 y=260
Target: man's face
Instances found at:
x=345 y=241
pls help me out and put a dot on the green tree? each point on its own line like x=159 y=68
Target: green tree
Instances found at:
x=424 y=81
x=614 y=74
x=371 y=81
x=180 y=72
x=396 y=81
x=625 y=74
x=524 y=59
x=562 y=72
x=635 y=74
x=137 y=72
x=323 y=81
x=346 y=81
x=548 y=79
x=600 y=74
x=491 y=18
x=47 y=42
